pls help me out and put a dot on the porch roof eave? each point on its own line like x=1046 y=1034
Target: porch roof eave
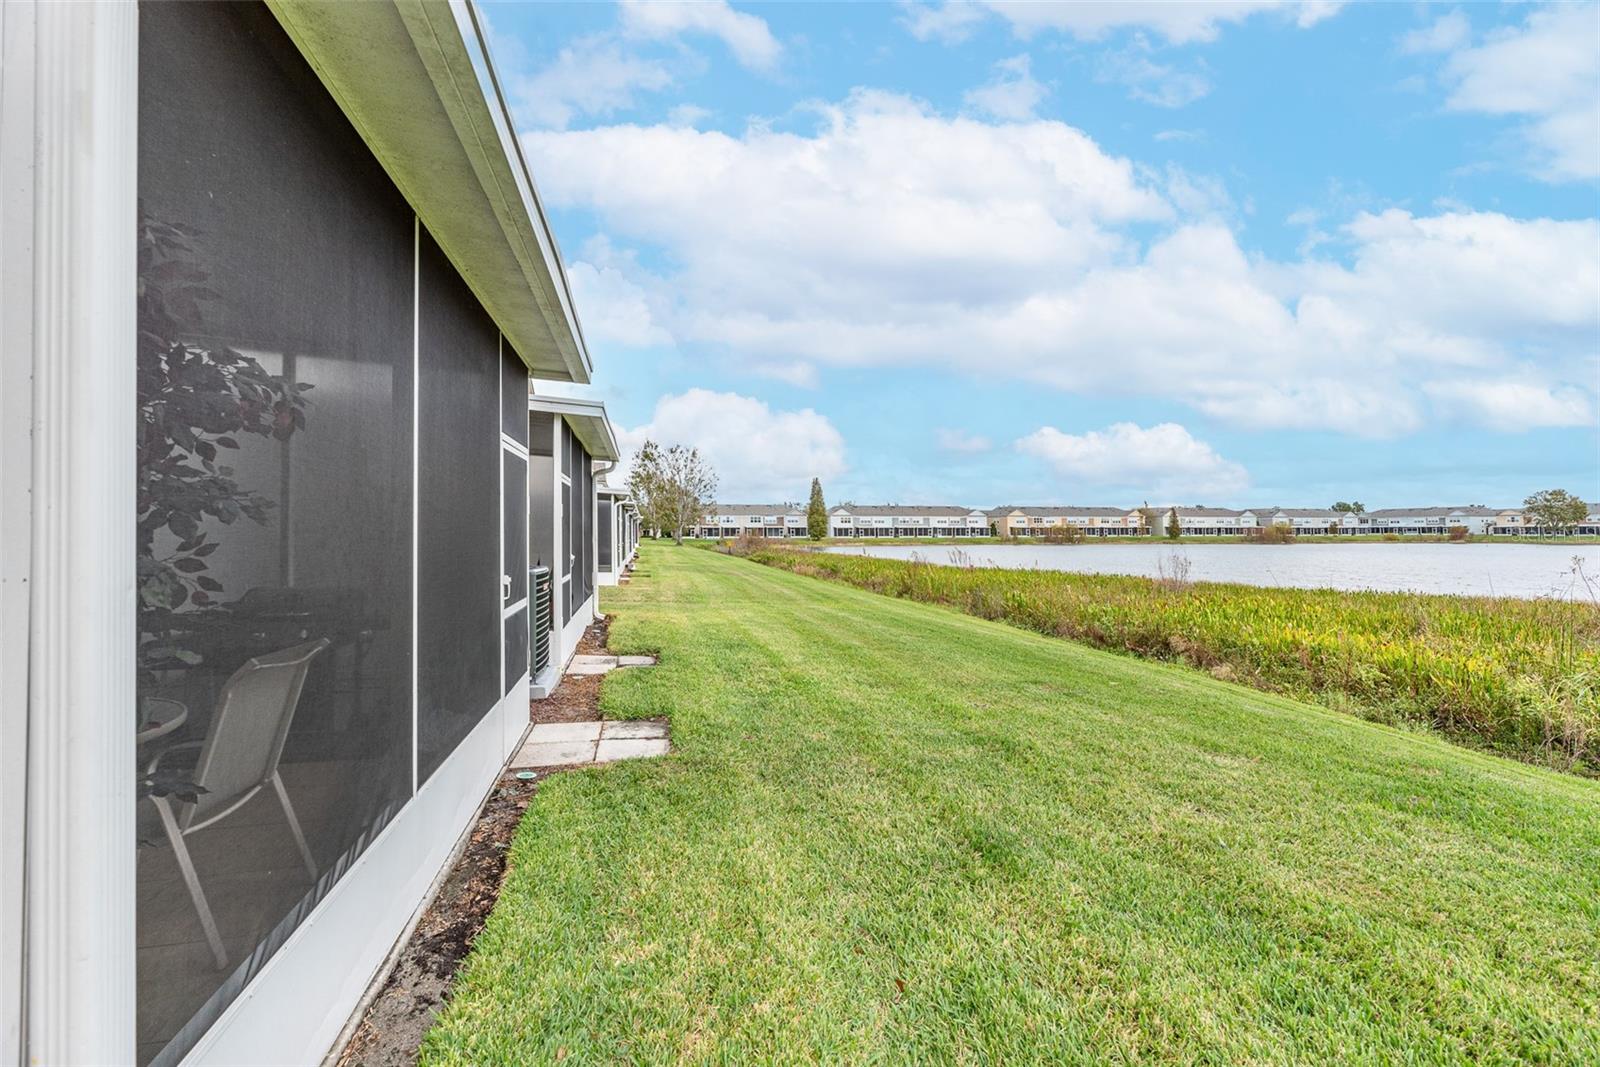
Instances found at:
x=415 y=80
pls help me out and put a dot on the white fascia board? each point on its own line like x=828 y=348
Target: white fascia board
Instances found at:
x=588 y=421
x=415 y=80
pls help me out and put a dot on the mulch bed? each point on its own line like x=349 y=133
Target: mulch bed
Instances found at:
x=391 y=1030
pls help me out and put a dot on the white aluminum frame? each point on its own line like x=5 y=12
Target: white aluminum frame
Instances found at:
x=68 y=154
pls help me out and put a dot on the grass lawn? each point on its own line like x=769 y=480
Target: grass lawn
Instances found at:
x=891 y=833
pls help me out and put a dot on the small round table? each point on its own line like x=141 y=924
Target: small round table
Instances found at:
x=159 y=716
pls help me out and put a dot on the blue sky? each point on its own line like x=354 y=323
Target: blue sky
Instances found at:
x=1244 y=253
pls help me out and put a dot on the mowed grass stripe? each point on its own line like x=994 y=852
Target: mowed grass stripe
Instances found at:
x=890 y=833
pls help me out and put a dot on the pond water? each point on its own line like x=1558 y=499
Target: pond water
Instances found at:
x=1513 y=570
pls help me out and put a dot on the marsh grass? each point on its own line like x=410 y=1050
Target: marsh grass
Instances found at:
x=1519 y=676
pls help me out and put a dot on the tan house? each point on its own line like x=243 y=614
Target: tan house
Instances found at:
x=1028 y=521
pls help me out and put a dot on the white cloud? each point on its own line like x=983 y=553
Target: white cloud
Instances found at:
x=1161 y=460
x=613 y=308
x=1012 y=94
x=1024 y=251
x=747 y=36
x=1513 y=403
x=796 y=372
x=758 y=454
x=961 y=441
x=688 y=115
x=1546 y=71
x=1178 y=23
x=951 y=22
x=1180 y=135
x=1145 y=79
x=1444 y=34
x=592 y=76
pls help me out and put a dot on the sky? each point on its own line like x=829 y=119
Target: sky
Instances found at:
x=1245 y=253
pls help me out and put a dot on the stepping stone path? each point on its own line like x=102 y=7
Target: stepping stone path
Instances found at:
x=569 y=744
x=605 y=664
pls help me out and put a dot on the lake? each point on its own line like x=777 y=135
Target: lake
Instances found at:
x=1466 y=569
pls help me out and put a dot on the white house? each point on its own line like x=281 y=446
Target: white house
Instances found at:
x=1308 y=520
x=895 y=520
x=1431 y=520
x=1208 y=522
x=262 y=667
x=760 y=520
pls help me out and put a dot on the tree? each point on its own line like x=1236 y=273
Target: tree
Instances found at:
x=672 y=487
x=1555 y=510
x=817 y=512
x=1350 y=507
x=1147 y=519
x=1174 y=527
x=644 y=485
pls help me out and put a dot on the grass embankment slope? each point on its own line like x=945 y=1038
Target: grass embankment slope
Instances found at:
x=1521 y=677
x=892 y=833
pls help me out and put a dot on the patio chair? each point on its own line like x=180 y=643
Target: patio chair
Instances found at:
x=237 y=759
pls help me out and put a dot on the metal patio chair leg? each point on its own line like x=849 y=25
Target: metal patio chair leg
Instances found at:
x=294 y=826
x=191 y=879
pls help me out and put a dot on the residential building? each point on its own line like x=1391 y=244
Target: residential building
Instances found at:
x=895 y=520
x=1430 y=520
x=1515 y=522
x=1308 y=520
x=308 y=618
x=1208 y=522
x=1034 y=521
x=759 y=520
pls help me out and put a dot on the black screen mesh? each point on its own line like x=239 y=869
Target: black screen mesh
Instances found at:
x=567 y=552
x=515 y=530
x=274 y=489
x=516 y=638
x=542 y=491
x=583 y=501
x=513 y=396
x=541 y=433
x=458 y=482
x=605 y=532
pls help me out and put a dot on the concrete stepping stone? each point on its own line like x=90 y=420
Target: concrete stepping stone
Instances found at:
x=565 y=731
x=617 y=748
x=592 y=664
x=615 y=729
x=554 y=753
x=603 y=664
x=574 y=744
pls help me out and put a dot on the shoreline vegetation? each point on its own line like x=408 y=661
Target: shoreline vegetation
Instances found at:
x=1520 y=678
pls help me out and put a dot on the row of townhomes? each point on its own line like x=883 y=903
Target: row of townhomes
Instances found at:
x=849 y=520
x=844 y=520
x=1475 y=519
x=290 y=535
